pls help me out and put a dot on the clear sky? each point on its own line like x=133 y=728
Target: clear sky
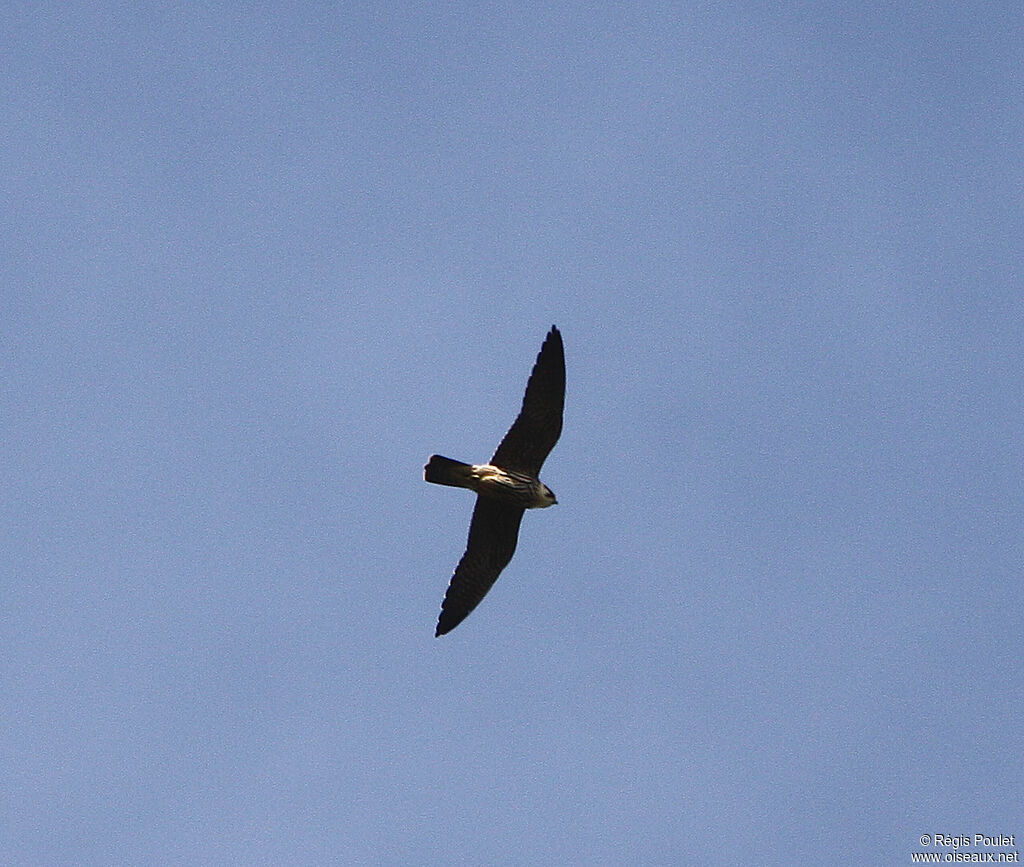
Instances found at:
x=259 y=260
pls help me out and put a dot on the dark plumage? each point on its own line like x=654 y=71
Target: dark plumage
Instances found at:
x=505 y=487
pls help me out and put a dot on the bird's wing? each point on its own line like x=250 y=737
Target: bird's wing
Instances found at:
x=493 y=533
x=539 y=424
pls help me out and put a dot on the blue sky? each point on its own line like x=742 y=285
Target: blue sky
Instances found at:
x=261 y=260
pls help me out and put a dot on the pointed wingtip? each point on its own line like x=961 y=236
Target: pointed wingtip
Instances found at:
x=446 y=623
x=449 y=620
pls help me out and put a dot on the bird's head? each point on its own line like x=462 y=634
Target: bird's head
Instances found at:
x=547 y=497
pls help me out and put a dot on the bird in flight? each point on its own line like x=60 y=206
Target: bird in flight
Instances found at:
x=506 y=486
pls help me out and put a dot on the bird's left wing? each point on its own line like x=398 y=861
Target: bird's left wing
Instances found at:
x=493 y=534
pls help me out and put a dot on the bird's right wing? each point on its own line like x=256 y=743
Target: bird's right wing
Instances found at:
x=539 y=423
x=493 y=534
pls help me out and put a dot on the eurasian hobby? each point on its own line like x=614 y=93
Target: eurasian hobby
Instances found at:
x=506 y=486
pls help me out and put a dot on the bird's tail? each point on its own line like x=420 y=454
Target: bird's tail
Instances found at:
x=445 y=471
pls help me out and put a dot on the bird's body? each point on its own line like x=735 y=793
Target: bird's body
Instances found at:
x=505 y=486
x=519 y=489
